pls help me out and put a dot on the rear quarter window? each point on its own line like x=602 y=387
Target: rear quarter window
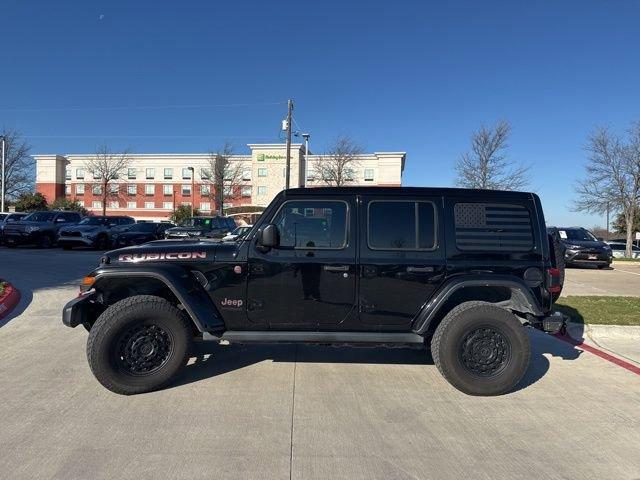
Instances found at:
x=493 y=227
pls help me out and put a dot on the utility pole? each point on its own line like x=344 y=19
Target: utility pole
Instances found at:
x=306 y=157
x=288 y=167
x=2 y=186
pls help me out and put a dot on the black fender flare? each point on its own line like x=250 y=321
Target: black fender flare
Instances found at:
x=521 y=293
x=182 y=284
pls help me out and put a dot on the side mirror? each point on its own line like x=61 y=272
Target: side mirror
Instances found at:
x=268 y=236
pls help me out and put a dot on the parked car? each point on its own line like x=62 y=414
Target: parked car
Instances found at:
x=583 y=248
x=39 y=228
x=462 y=272
x=139 y=233
x=202 y=227
x=6 y=218
x=237 y=234
x=91 y=232
x=619 y=250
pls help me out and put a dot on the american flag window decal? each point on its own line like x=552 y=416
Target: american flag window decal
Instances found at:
x=493 y=227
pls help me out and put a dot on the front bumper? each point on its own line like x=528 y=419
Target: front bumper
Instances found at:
x=21 y=238
x=588 y=258
x=76 y=241
x=79 y=310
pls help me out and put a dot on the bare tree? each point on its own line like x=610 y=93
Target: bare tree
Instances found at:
x=105 y=167
x=338 y=165
x=612 y=178
x=225 y=176
x=487 y=166
x=19 y=171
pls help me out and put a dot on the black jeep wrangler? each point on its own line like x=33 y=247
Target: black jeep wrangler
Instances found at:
x=461 y=272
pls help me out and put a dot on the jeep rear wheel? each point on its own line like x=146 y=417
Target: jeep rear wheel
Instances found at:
x=138 y=344
x=481 y=349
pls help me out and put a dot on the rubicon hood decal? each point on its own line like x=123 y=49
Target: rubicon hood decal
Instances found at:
x=162 y=256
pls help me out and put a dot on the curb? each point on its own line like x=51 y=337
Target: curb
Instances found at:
x=9 y=300
x=579 y=331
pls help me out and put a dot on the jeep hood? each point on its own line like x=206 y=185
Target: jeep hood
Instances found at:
x=168 y=251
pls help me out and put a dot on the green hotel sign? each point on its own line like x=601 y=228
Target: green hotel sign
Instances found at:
x=266 y=156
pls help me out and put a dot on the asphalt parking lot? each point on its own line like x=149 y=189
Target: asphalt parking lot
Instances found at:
x=283 y=411
x=623 y=279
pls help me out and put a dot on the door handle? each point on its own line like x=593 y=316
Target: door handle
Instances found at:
x=336 y=268
x=419 y=269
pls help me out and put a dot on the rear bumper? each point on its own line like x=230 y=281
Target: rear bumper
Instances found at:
x=554 y=322
x=78 y=310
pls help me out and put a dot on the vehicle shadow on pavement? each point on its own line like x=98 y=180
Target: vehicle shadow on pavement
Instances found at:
x=210 y=359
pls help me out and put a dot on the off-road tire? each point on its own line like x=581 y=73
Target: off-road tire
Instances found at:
x=449 y=341
x=140 y=311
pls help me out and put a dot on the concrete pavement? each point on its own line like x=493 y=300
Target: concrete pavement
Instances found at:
x=288 y=411
x=623 y=280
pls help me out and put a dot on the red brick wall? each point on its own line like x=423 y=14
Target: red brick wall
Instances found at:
x=51 y=191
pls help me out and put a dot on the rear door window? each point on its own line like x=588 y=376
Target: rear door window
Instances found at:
x=401 y=225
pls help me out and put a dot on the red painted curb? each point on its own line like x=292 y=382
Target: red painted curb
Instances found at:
x=600 y=353
x=9 y=300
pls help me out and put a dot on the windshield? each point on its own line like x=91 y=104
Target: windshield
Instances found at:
x=240 y=231
x=197 y=222
x=3 y=216
x=40 y=217
x=577 y=234
x=92 y=221
x=142 y=227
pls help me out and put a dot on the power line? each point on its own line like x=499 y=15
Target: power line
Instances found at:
x=138 y=107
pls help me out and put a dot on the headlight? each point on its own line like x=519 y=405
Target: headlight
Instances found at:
x=32 y=228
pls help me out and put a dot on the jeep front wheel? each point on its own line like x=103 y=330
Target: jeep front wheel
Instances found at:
x=481 y=349
x=138 y=344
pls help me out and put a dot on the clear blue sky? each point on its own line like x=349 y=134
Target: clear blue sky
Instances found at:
x=413 y=76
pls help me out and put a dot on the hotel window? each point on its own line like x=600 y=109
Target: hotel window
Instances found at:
x=246 y=191
x=205 y=206
x=167 y=190
x=262 y=190
x=368 y=174
x=149 y=189
x=114 y=188
x=97 y=189
x=131 y=205
x=80 y=173
x=132 y=190
x=113 y=205
x=67 y=189
x=262 y=172
x=246 y=175
x=149 y=205
x=80 y=189
x=168 y=173
x=167 y=205
x=68 y=174
x=131 y=173
x=96 y=204
x=150 y=173
x=349 y=175
x=96 y=175
x=186 y=174
x=227 y=191
x=205 y=190
x=186 y=190
x=204 y=174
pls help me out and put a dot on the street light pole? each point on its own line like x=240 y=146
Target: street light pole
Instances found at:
x=193 y=189
x=2 y=185
x=306 y=157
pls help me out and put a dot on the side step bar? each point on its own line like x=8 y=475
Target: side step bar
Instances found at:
x=313 y=337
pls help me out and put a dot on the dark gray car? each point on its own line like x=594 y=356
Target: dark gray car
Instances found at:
x=38 y=228
x=6 y=218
